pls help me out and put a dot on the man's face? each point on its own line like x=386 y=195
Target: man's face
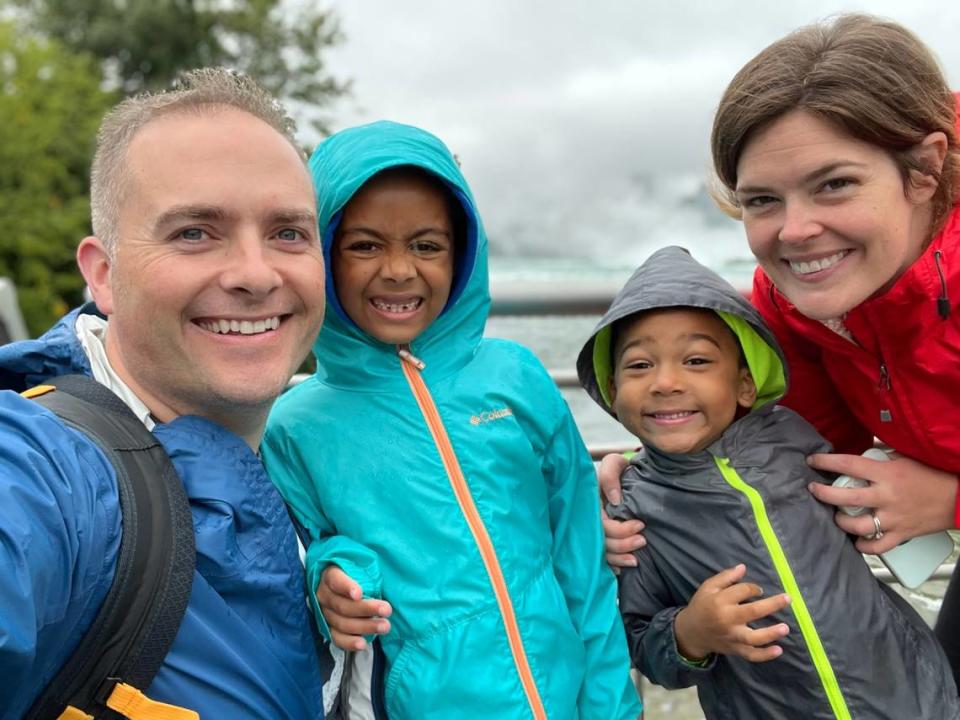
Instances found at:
x=215 y=294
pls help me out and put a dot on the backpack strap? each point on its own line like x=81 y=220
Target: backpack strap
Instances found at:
x=125 y=645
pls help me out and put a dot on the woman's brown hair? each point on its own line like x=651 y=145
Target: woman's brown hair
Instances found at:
x=871 y=77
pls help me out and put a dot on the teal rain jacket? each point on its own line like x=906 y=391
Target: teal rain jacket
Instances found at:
x=460 y=492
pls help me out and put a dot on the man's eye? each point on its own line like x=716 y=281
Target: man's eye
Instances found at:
x=192 y=234
x=290 y=235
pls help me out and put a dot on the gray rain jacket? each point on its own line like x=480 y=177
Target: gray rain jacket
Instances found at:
x=856 y=649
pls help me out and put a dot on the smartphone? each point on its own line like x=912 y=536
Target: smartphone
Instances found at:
x=911 y=562
x=914 y=561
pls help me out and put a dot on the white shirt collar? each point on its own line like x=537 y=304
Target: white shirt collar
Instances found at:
x=92 y=332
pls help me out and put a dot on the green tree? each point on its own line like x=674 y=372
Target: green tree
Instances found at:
x=51 y=103
x=143 y=44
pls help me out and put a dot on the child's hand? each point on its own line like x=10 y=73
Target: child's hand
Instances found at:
x=716 y=620
x=348 y=616
x=621 y=537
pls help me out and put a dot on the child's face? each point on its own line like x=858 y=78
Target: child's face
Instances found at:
x=393 y=258
x=677 y=382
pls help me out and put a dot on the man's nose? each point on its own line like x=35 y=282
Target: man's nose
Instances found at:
x=800 y=222
x=250 y=268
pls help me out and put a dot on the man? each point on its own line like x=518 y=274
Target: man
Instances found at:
x=206 y=263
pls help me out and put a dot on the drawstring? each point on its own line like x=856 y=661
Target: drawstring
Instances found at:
x=943 y=302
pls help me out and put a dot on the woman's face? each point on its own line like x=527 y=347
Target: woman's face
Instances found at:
x=826 y=214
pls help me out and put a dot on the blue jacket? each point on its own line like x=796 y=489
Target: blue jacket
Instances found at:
x=471 y=506
x=244 y=649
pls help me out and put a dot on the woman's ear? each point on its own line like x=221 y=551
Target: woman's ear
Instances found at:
x=746 y=389
x=95 y=262
x=929 y=155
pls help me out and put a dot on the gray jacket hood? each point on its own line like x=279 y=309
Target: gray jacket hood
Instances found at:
x=672 y=278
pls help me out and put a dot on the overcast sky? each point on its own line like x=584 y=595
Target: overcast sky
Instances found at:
x=558 y=103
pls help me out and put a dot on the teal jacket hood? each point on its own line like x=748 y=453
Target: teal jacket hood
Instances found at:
x=672 y=278
x=346 y=355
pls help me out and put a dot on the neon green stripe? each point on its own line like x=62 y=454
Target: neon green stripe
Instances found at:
x=819 y=656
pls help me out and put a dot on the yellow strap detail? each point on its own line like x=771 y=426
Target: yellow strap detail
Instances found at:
x=37 y=391
x=71 y=713
x=133 y=704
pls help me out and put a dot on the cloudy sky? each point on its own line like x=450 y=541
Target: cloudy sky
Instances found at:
x=565 y=113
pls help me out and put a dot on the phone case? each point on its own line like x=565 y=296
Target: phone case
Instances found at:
x=915 y=560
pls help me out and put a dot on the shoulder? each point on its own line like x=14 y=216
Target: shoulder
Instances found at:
x=511 y=359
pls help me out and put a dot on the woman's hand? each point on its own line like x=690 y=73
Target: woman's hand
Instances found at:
x=907 y=497
x=622 y=537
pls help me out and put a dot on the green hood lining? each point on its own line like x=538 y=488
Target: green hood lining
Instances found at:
x=762 y=360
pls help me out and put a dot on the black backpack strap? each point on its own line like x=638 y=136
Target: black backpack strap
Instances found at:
x=143 y=609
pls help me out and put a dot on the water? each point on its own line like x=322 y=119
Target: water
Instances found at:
x=557 y=341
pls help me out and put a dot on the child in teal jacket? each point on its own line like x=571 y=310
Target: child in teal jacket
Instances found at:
x=440 y=470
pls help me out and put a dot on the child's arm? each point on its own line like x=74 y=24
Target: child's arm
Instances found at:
x=675 y=646
x=360 y=564
x=584 y=577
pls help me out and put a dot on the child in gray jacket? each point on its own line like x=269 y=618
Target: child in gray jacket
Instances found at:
x=684 y=362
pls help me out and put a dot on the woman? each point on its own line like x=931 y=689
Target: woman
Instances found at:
x=837 y=147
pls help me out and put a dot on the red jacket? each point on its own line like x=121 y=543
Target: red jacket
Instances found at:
x=903 y=383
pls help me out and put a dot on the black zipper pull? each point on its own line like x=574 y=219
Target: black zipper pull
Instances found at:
x=885 y=414
x=943 y=302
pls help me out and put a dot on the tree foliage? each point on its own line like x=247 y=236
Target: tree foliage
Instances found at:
x=143 y=44
x=66 y=62
x=51 y=103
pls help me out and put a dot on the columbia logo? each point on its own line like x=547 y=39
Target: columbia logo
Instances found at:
x=486 y=417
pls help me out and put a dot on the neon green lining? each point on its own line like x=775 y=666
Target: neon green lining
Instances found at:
x=763 y=361
x=815 y=647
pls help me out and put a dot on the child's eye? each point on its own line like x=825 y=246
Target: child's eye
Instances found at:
x=698 y=361
x=639 y=365
x=361 y=246
x=427 y=247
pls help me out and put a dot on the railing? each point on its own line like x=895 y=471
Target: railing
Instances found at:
x=586 y=298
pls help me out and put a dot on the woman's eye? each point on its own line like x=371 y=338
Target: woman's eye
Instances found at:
x=759 y=201
x=837 y=183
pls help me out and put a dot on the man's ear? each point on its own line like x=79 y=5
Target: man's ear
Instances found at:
x=95 y=263
x=928 y=154
x=746 y=389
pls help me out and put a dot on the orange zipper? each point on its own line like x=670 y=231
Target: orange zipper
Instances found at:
x=411 y=365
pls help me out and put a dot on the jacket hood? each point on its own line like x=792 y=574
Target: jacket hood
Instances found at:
x=346 y=355
x=672 y=278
